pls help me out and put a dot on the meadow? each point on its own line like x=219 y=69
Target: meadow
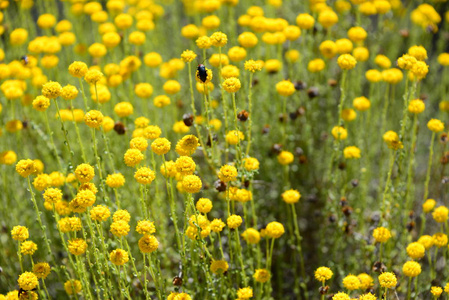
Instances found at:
x=224 y=149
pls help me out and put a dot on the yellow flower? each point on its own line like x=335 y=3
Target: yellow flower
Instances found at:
x=346 y=61
x=351 y=152
x=133 y=157
x=118 y=257
x=148 y=243
x=339 y=133
x=28 y=248
x=351 y=282
x=144 y=175
x=274 y=230
x=234 y=221
x=436 y=291
x=77 y=246
x=428 y=205
x=435 y=125
x=231 y=85
x=28 y=281
x=218 y=39
x=291 y=196
x=227 y=173
x=416 y=106
x=188 y=56
x=191 y=184
x=19 y=233
x=245 y=293
x=416 y=250
x=251 y=236
x=72 y=286
x=41 y=270
x=411 y=269
x=441 y=214
x=219 y=266
x=387 y=280
x=262 y=275
x=51 y=89
x=285 y=88
x=381 y=234
x=25 y=167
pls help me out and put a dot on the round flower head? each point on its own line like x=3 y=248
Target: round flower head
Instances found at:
x=69 y=92
x=440 y=214
x=346 y=61
x=145 y=227
x=123 y=109
x=93 y=76
x=406 y=62
x=144 y=175
x=115 y=180
x=188 y=56
x=368 y=296
x=133 y=157
x=416 y=106
x=93 y=118
x=251 y=236
x=118 y=257
x=351 y=282
x=185 y=165
x=160 y=146
x=340 y=296
x=251 y=164
x=232 y=85
x=28 y=248
x=285 y=158
x=41 y=103
x=418 y=52
x=262 y=275
x=435 y=125
x=204 y=205
x=120 y=228
x=339 y=133
x=351 y=152
x=218 y=39
x=19 y=233
x=217 y=225
x=275 y=230
x=227 y=173
x=84 y=173
x=25 y=167
x=152 y=132
x=41 y=270
x=121 y=215
x=420 y=70
x=234 y=221
x=285 y=88
x=411 y=269
x=187 y=145
x=77 y=246
x=100 y=213
x=316 y=65
x=138 y=143
x=387 y=280
x=440 y=239
x=51 y=89
x=361 y=103
x=253 y=66
x=72 y=287
x=428 y=205
x=28 y=281
x=191 y=184
x=219 y=266
x=148 y=243
x=366 y=281
x=416 y=250
x=291 y=196
x=381 y=234
x=436 y=291
x=245 y=293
